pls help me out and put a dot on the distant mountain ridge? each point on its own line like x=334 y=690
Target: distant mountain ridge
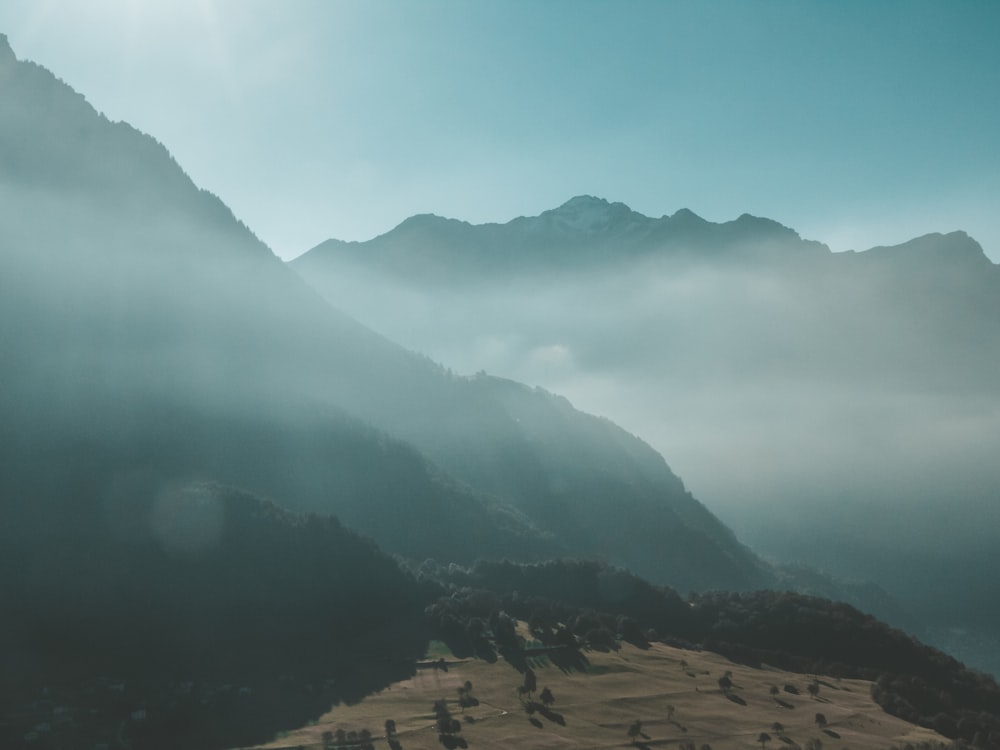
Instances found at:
x=591 y=249
x=576 y=235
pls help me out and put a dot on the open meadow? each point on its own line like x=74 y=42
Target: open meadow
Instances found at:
x=674 y=693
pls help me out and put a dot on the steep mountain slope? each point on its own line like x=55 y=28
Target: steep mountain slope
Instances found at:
x=837 y=409
x=136 y=637
x=147 y=331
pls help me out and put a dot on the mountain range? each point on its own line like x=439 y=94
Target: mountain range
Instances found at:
x=138 y=311
x=835 y=409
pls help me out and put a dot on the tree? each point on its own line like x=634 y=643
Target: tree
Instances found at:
x=813 y=688
x=778 y=727
x=820 y=720
x=564 y=637
x=546 y=697
x=601 y=639
x=763 y=738
x=504 y=631
x=446 y=724
x=774 y=691
x=634 y=730
x=726 y=682
x=465 y=696
x=530 y=681
x=327 y=737
x=390 y=728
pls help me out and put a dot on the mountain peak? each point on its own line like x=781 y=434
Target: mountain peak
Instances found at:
x=688 y=216
x=425 y=218
x=951 y=248
x=427 y=222
x=585 y=213
x=583 y=202
x=763 y=225
x=7 y=56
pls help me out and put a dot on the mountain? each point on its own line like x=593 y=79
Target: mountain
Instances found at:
x=588 y=232
x=835 y=409
x=150 y=337
x=174 y=399
x=583 y=233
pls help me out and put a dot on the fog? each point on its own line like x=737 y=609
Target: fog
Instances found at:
x=835 y=409
x=148 y=333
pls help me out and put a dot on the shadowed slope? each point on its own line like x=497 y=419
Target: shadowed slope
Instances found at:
x=135 y=309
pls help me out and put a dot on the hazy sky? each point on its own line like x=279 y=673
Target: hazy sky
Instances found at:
x=856 y=123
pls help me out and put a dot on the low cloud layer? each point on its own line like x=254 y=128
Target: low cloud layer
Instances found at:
x=841 y=412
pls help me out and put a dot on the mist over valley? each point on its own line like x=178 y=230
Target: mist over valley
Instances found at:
x=836 y=409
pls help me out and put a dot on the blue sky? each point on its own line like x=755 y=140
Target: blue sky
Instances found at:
x=855 y=123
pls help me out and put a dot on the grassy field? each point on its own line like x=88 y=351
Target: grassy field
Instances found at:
x=595 y=706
